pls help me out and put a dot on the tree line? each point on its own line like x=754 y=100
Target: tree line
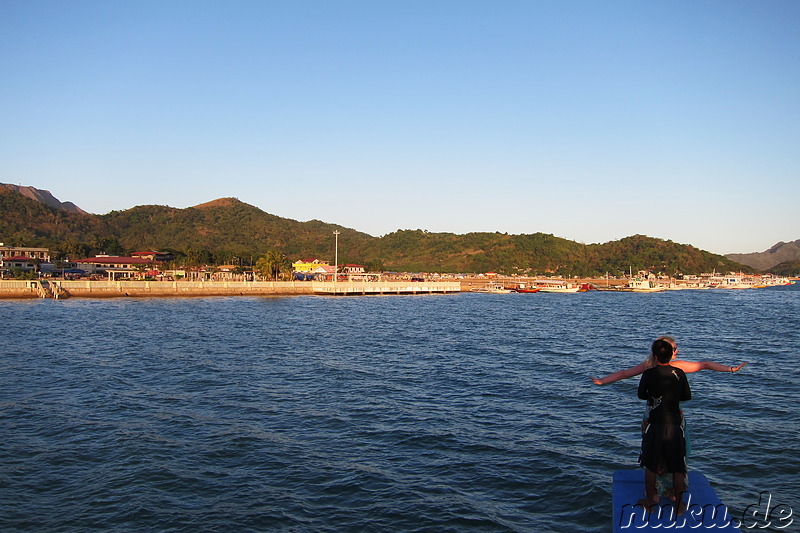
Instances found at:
x=228 y=231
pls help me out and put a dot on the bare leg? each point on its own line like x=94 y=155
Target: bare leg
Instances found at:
x=679 y=483
x=649 y=490
x=650 y=486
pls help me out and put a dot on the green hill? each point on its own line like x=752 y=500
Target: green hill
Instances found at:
x=787 y=268
x=228 y=230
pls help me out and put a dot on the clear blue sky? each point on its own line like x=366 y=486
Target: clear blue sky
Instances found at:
x=588 y=120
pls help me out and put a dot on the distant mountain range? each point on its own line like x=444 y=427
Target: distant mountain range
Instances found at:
x=230 y=231
x=44 y=197
x=783 y=254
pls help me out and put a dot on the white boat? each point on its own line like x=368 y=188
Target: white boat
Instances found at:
x=643 y=285
x=547 y=285
x=492 y=288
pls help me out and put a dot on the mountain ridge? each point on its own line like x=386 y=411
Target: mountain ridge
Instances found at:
x=782 y=252
x=228 y=230
x=43 y=196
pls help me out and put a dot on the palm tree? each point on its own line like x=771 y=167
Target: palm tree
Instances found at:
x=272 y=263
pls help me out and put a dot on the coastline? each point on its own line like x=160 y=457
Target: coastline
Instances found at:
x=62 y=289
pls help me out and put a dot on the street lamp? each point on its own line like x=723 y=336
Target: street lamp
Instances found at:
x=336 y=257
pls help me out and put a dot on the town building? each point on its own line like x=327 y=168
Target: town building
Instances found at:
x=114 y=267
x=353 y=269
x=320 y=273
x=18 y=263
x=308 y=265
x=21 y=259
x=38 y=254
x=159 y=257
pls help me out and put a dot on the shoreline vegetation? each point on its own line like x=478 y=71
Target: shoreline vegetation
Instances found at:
x=227 y=231
x=61 y=289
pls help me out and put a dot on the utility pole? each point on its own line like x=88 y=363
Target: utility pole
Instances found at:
x=336 y=257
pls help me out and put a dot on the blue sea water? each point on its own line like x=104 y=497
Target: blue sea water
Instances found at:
x=467 y=412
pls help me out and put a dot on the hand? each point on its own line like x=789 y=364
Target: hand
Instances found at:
x=739 y=367
x=598 y=382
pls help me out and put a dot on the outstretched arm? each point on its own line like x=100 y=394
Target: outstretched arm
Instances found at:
x=622 y=374
x=696 y=366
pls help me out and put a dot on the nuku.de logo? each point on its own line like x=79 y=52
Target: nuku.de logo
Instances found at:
x=756 y=516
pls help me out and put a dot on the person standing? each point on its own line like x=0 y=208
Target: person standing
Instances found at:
x=664 y=386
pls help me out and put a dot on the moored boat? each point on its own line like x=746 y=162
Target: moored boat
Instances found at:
x=643 y=285
x=492 y=288
x=523 y=288
x=547 y=285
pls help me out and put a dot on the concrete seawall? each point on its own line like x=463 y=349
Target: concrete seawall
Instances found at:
x=18 y=289
x=116 y=289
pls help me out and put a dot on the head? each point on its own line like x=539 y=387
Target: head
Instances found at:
x=662 y=351
x=672 y=342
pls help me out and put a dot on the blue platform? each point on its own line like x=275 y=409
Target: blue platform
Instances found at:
x=704 y=509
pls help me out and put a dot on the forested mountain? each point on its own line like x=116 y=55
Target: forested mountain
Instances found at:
x=787 y=268
x=228 y=227
x=228 y=230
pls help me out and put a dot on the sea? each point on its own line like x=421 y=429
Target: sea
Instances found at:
x=436 y=413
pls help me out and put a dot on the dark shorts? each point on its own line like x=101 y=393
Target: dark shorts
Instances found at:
x=664 y=443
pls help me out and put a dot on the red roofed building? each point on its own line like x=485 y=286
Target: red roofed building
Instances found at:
x=25 y=264
x=353 y=269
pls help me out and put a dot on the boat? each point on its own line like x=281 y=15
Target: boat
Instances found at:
x=548 y=285
x=523 y=288
x=734 y=282
x=491 y=288
x=704 y=512
x=643 y=285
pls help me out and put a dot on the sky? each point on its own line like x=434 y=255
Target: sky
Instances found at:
x=587 y=120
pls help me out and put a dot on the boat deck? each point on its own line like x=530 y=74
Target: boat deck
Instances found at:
x=704 y=509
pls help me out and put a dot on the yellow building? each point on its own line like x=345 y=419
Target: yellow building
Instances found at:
x=308 y=265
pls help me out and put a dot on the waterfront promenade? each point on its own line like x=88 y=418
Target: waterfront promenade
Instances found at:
x=59 y=289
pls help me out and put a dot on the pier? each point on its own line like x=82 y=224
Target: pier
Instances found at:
x=353 y=288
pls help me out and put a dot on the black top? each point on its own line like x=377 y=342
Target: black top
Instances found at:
x=664 y=387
